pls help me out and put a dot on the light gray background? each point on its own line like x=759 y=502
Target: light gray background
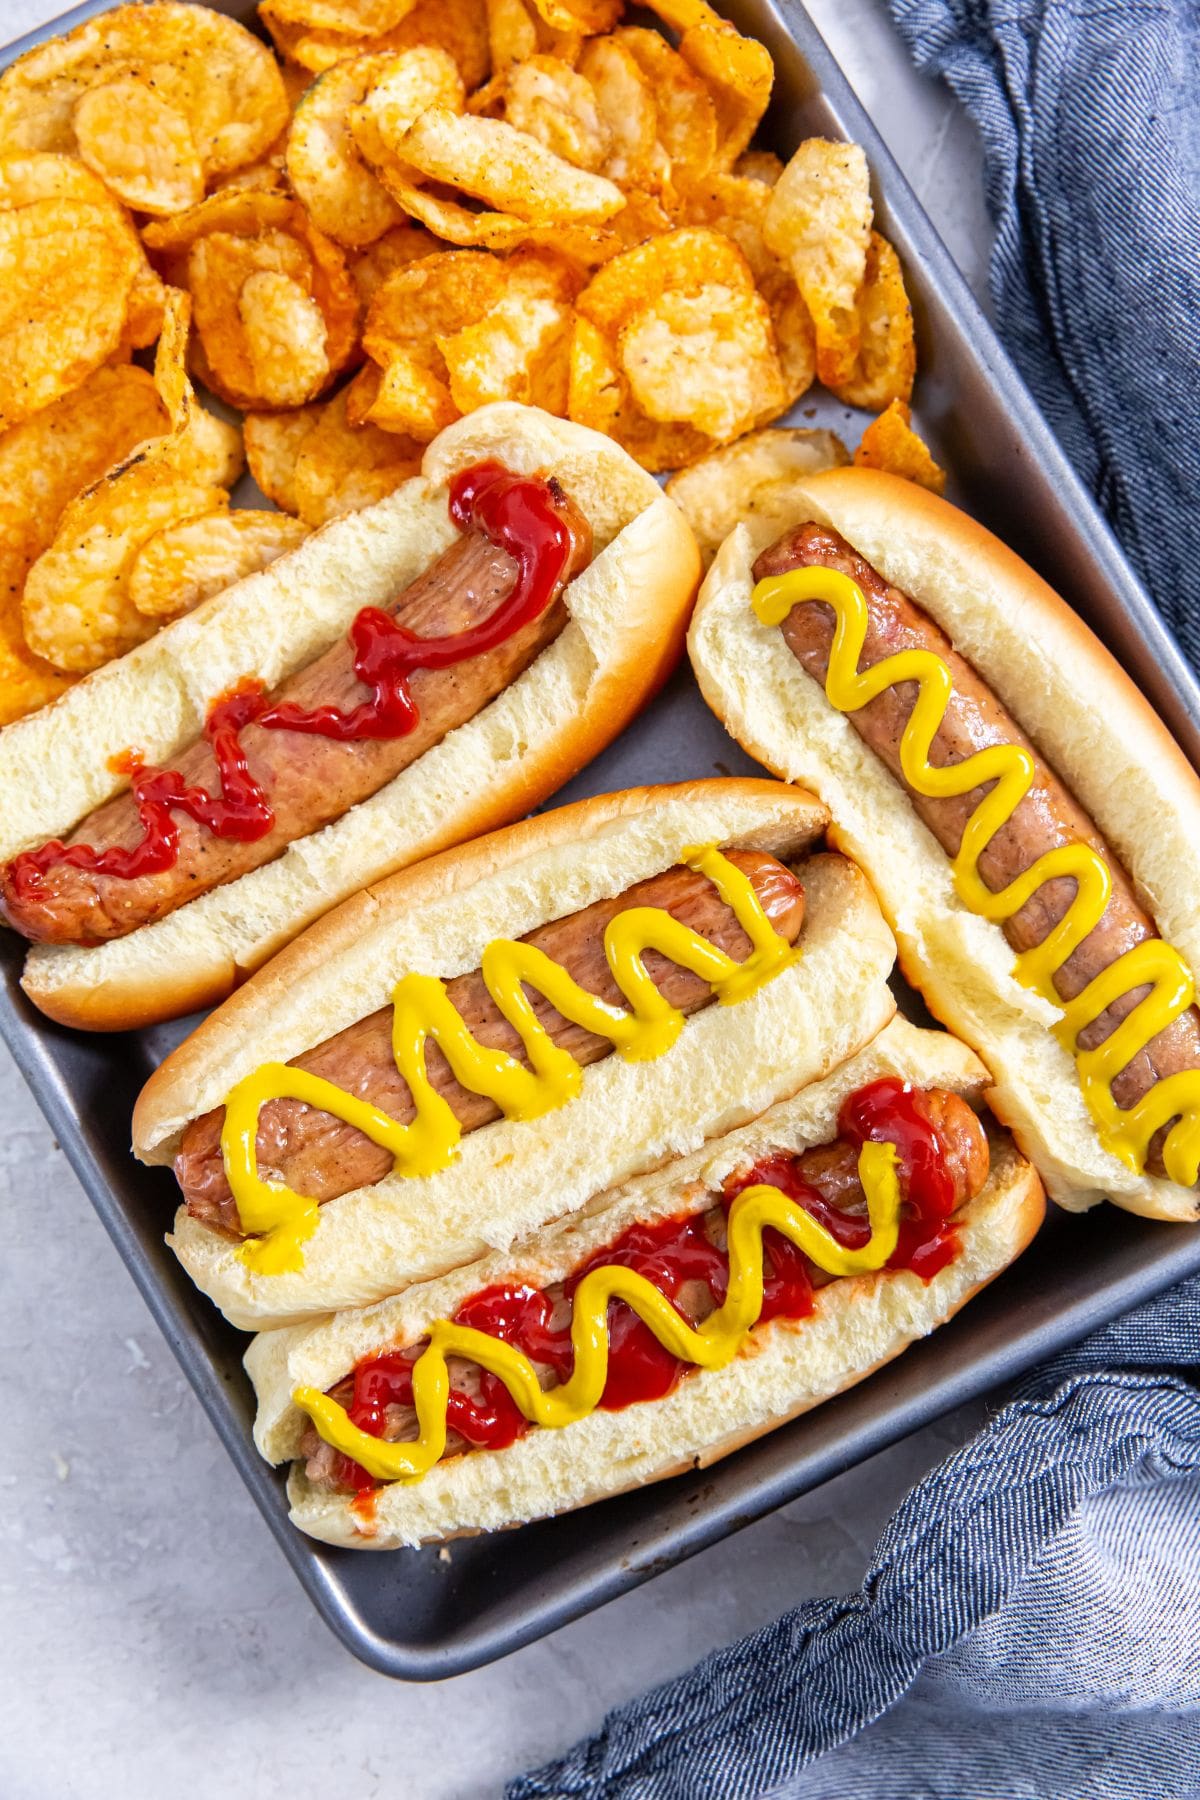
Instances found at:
x=153 y=1638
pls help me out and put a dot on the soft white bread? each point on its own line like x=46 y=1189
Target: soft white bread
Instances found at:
x=1079 y=708
x=627 y=614
x=786 y=1367
x=510 y=1177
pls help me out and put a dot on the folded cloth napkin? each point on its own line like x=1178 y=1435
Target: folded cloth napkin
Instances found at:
x=1028 y=1626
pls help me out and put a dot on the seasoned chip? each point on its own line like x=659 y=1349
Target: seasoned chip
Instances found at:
x=461 y=29
x=400 y=90
x=890 y=443
x=627 y=107
x=680 y=260
x=141 y=148
x=706 y=359
x=520 y=351
x=752 y=482
x=818 y=223
x=599 y=396
x=26 y=681
x=343 y=197
x=759 y=165
x=198 y=444
x=887 y=356
x=583 y=17
x=341 y=469
x=518 y=30
x=354 y=18
x=508 y=169
x=184 y=564
x=202 y=65
x=546 y=99
x=76 y=607
x=65 y=279
x=686 y=123
x=285 y=338
x=273 y=443
x=44 y=464
x=395 y=250
x=228 y=239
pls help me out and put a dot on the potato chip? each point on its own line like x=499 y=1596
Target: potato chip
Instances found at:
x=818 y=223
x=394 y=250
x=362 y=391
x=887 y=356
x=203 y=65
x=140 y=146
x=517 y=30
x=890 y=443
x=460 y=29
x=511 y=171
x=706 y=359
x=739 y=75
x=355 y=18
x=751 y=481
x=555 y=104
x=324 y=164
x=520 y=351
x=686 y=123
x=184 y=564
x=210 y=450
x=402 y=88
x=584 y=17
x=76 y=607
x=273 y=442
x=627 y=107
x=26 y=681
x=285 y=338
x=340 y=469
x=679 y=260
x=232 y=236
x=65 y=278
x=759 y=165
x=44 y=464
x=599 y=396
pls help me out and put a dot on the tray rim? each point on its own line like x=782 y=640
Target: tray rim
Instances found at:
x=29 y=1039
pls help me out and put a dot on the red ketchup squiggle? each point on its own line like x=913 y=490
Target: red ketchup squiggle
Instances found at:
x=240 y=810
x=670 y=1254
x=518 y=515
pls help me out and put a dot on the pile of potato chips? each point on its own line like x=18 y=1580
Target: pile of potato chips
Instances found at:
x=419 y=207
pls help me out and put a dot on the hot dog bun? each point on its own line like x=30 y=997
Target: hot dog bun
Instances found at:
x=1081 y=711
x=786 y=1367
x=511 y=1177
x=627 y=615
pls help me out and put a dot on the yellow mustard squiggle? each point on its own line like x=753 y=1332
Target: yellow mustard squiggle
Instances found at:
x=1126 y=1133
x=283 y=1220
x=709 y=1346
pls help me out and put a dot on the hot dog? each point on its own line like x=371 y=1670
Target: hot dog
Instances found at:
x=850 y=1274
x=495 y=1038
x=321 y=1155
x=310 y=779
x=1074 y=846
x=414 y=673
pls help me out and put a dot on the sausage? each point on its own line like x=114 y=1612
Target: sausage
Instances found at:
x=1047 y=817
x=319 y=1155
x=832 y=1169
x=309 y=780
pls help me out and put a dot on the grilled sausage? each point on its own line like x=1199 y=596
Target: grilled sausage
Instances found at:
x=309 y=780
x=319 y=1155
x=1047 y=817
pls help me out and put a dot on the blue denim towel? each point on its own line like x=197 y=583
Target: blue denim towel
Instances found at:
x=1030 y=1624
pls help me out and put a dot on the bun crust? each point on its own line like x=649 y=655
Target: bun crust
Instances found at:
x=511 y=1177
x=628 y=611
x=786 y=1368
x=1077 y=705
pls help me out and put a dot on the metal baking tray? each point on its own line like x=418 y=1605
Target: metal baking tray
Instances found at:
x=411 y=1614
